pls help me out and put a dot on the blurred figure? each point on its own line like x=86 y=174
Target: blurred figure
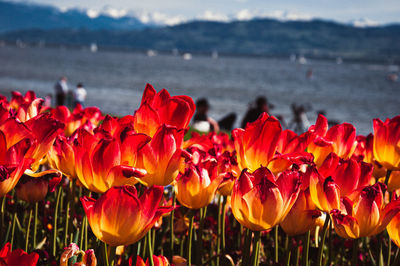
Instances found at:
x=79 y=95
x=201 y=121
x=300 y=122
x=255 y=110
x=226 y=123
x=61 y=90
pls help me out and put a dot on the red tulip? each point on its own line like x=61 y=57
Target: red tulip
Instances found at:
x=160 y=108
x=350 y=175
x=100 y=162
x=17 y=257
x=340 y=139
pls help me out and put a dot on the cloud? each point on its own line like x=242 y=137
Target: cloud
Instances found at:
x=159 y=18
x=247 y=14
x=213 y=16
x=364 y=22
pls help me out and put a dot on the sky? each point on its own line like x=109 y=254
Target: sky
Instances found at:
x=176 y=11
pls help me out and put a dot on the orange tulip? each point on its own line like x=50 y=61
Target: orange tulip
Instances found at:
x=99 y=160
x=340 y=139
x=393 y=229
x=256 y=144
x=387 y=142
x=120 y=217
x=365 y=152
x=160 y=108
x=260 y=201
x=367 y=215
x=61 y=156
x=196 y=188
x=290 y=142
x=325 y=193
x=302 y=217
x=162 y=157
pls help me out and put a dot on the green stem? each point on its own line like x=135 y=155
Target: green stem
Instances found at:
x=297 y=255
x=306 y=247
x=219 y=227
x=82 y=231
x=106 y=262
x=256 y=249
x=189 y=243
x=321 y=247
x=35 y=224
x=199 y=250
x=246 y=248
x=276 y=244
x=13 y=229
x=397 y=257
x=171 y=224
x=86 y=234
x=149 y=245
x=223 y=223
x=288 y=250
x=55 y=221
x=354 y=258
x=28 y=229
x=3 y=203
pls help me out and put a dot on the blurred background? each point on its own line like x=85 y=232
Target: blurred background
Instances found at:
x=307 y=57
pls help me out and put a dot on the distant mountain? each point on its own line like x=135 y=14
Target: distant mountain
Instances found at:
x=19 y=16
x=269 y=37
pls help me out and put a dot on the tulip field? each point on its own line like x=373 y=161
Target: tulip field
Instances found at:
x=79 y=187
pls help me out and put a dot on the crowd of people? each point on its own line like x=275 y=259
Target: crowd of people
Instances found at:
x=65 y=96
x=204 y=123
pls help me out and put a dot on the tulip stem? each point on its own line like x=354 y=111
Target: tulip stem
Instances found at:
x=189 y=243
x=28 y=229
x=13 y=229
x=354 y=258
x=256 y=249
x=219 y=227
x=223 y=223
x=246 y=247
x=55 y=222
x=149 y=245
x=3 y=203
x=388 y=172
x=306 y=247
x=106 y=262
x=35 y=224
x=199 y=250
x=321 y=246
x=171 y=224
x=276 y=244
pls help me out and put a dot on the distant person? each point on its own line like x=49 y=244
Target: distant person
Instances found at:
x=255 y=110
x=226 y=123
x=300 y=122
x=61 y=90
x=201 y=121
x=79 y=95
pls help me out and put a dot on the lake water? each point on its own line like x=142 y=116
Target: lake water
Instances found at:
x=351 y=92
